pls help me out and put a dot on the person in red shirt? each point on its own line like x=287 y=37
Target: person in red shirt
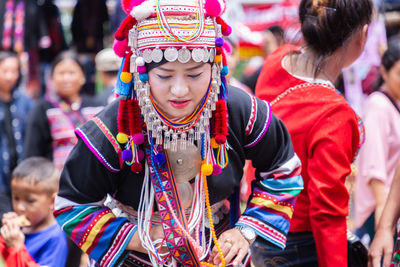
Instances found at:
x=299 y=84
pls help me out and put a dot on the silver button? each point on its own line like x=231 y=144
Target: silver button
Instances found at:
x=17 y=135
x=19 y=148
x=13 y=108
x=15 y=122
x=6 y=156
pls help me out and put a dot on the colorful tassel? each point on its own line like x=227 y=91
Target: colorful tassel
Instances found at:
x=123 y=29
x=225 y=28
x=220 y=117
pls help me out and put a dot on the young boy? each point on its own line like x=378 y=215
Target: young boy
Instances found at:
x=30 y=235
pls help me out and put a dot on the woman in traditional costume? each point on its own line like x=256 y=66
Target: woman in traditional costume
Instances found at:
x=170 y=151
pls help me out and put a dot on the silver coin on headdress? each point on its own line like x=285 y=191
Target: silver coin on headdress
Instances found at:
x=185 y=163
x=171 y=54
x=206 y=56
x=147 y=55
x=197 y=55
x=212 y=54
x=157 y=55
x=184 y=55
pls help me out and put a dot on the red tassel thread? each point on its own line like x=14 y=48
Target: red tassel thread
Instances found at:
x=220 y=119
x=225 y=28
x=123 y=117
x=123 y=29
x=136 y=167
x=134 y=117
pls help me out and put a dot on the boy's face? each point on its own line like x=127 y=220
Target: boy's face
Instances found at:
x=34 y=202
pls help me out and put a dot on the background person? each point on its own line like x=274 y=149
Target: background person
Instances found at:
x=380 y=153
x=14 y=106
x=40 y=242
x=51 y=124
x=326 y=133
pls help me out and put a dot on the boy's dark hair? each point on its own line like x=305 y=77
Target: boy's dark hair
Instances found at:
x=38 y=170
x=69 y=54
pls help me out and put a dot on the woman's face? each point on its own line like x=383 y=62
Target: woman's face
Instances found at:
x=9 y=73
x=178 y=88
x=68 y=79
x=392 y=80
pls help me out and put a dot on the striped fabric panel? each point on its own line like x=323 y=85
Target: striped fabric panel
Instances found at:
x=273 y=201
x=272 y=235
x=97 y=231
x=265 y=128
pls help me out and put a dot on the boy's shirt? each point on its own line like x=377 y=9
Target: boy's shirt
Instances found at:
x=48 y=248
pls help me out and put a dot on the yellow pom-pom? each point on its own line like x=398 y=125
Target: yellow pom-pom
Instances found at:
x=218 y=58
x=214 y=143
x=122 y=138
x=207 y=169
x=126 y=77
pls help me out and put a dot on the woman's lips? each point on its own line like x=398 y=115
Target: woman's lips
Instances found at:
x=179 y=104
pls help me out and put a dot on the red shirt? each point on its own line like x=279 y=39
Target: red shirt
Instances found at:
x=325 y=136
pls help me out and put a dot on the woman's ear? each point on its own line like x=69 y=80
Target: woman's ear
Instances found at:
x=364 y=35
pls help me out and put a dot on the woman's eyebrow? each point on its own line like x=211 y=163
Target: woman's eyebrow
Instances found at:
x=195 y=67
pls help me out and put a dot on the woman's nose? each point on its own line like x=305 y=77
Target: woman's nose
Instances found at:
x=180 y=88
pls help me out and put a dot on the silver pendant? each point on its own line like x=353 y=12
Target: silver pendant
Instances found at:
x=133 y=63
x=147 y=55
x=206 y=57
x=132 y=38
x=186 y=163
x=171 y=54
x=212 y=54
x=184 y=55
x=197 y=55
x=157 y=55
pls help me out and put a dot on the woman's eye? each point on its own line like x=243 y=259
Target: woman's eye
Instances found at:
x=163 y=77
x=195 y=75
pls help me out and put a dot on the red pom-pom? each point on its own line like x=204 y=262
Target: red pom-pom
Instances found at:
x=136 y=167
x=220 y=139
x=121 y=47
x=216 y=169
x=213 y=8
x=123 y=29
x=127 y=63
x=128 y=5
x=225 y=28
x=218 y=50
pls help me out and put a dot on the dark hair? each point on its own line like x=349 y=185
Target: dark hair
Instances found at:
x=71 y=55
x=9 y=54
x=392 y=54
x=277 y=31
x=38 y=170
x=327 y=24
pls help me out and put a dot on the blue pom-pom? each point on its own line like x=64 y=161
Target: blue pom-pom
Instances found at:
x=144 y=77
x=159 y=159
x=127 y=155
x=224 y=71
x=219 y=41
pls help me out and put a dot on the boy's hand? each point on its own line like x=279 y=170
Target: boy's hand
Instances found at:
x=11 y=232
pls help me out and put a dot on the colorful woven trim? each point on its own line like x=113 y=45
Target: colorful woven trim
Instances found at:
x=178 y=244
x=265 y=128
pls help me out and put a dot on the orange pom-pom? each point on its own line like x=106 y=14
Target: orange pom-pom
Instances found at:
x=126 y=77
x=213 y=143
x=218 y=58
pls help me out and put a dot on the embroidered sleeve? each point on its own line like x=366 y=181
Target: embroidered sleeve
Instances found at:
x=279 y=182
x=80 y=210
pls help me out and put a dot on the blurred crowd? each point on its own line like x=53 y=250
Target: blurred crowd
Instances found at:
x=49 y=86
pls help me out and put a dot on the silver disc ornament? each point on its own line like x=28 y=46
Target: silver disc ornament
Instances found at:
x=147 y=55
x=197 y=55
x=185 y=163
x=184 y=55
x=157 y=55
x=171 y=54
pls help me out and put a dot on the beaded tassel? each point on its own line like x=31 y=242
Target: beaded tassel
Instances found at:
x=135 y=132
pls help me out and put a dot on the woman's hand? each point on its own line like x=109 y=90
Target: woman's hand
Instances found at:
x=135 y=244
x=11 y=231
x=233 y=246
x=382 y=246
